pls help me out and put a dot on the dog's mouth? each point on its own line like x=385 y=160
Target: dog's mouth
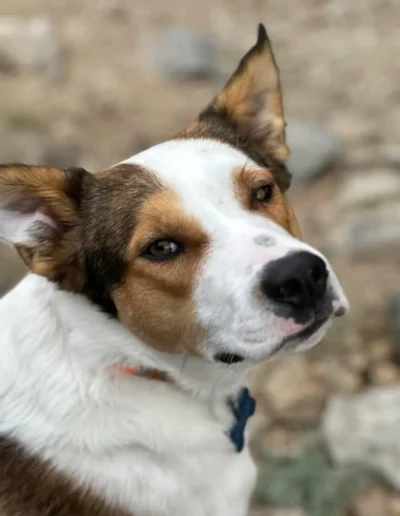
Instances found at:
x=228 y=358
x=301 y=336
x=291 y=342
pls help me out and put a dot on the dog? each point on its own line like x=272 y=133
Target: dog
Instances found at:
x=155 y=287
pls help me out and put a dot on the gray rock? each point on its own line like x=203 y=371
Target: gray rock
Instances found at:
x=31 y=146
x=366 y=428
x=115 y=9
x=314 y=149
x=22 y=146
x=183 y=53
x=368 y=233
x=391 y=153
x=12 y=269
x=393 y=320
x=353 y=127
x=30 y=45
x=292 y=395
x=368 y=190
x=367 y=219
x=61 y=155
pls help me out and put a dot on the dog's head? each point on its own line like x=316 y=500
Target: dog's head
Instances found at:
x=191 y=244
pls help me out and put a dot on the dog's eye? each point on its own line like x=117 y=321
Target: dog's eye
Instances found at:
x=265 y=193
x=162 y=249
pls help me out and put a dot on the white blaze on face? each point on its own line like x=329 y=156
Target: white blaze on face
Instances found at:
x=237 y=318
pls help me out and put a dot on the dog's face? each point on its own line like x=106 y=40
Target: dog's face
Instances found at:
x=192 y=243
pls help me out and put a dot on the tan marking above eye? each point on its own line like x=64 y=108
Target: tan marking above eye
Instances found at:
x=246 y=184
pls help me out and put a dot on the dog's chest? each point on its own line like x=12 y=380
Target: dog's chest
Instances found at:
x=209 y=483
x=189 y=465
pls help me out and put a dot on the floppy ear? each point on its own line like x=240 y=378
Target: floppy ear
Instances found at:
x=39 y=215
x=252 y=100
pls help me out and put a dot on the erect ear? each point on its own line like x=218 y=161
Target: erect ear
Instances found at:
x=252 y=100
x=39 y=215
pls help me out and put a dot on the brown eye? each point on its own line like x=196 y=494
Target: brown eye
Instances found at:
x=265 y=193
x=161 y=250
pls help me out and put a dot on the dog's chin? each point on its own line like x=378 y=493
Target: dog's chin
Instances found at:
x=305 y=339
x=303 y=342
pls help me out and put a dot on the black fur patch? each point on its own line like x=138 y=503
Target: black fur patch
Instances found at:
x=216 y=124
x=109 y=208
x=31 y=486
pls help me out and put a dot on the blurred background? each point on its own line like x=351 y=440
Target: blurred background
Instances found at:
x=91 y=82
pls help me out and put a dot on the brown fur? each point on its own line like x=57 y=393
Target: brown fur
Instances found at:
x=31 y=487
x=94 y=217
x=155 y=301
x=96 y=249
x=248 y=112
x=108 y=220
x=50 y=253
x=252 y=100
x=247 y=181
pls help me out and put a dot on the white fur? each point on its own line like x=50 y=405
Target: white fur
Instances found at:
x=200 y=172
x=155 y=448
x=17 y=228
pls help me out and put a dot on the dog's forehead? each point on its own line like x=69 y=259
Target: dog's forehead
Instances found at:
x=203 y=166
x=199 y=171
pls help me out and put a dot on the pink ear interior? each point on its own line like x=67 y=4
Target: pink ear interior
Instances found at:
x=27 y=220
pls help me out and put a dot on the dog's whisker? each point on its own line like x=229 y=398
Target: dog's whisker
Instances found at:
x=184 y=362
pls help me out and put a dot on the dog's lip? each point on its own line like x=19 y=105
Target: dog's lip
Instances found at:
x=303 y=334
x=228 y=358
x=231 y=359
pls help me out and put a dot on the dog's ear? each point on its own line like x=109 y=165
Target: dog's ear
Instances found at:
x=39 y=215
x=252 y=100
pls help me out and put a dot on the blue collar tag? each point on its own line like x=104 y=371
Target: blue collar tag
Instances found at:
x=242 y=410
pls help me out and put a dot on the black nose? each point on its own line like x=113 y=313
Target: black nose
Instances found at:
x=298 y=280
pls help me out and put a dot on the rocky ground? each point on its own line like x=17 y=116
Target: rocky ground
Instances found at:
x=89 y=82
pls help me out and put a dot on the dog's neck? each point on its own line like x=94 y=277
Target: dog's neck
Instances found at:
x=58 y=349
x=65 y=397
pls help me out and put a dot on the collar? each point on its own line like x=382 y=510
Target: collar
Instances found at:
x=243 y=407
x=153 y=374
